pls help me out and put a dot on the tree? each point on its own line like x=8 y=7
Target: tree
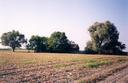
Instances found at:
x=13 y=39
x=104 y=39
x=38 y=44
x=73 y=47
x=28 y=47
x=89 y=48
x=58 y=42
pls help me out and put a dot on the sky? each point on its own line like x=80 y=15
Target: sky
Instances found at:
x=43 y=17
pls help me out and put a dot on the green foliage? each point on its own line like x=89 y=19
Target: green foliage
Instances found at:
x=73 y=47
x=38 y=44
x=104 y=39
x=95 y=63
x=57 y=42
x=89 y=48
x=13 y=39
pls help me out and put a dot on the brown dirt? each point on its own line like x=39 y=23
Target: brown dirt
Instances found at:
x=61 y=71
x=114 y=74
x=48 y=74
x=120 y=76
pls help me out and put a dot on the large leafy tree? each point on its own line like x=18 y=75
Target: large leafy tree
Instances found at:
x=104 y=39
x=58 y=42
x=38 y=44
x=13 y=39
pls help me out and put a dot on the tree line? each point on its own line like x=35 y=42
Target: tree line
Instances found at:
x=57 y=42
x=104 y=40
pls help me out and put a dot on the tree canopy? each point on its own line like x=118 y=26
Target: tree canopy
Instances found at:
x=13 y=39
x=38 y=44
x=104 y=39
x=57 y=42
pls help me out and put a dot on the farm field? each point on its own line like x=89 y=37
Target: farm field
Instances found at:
x=62 y=68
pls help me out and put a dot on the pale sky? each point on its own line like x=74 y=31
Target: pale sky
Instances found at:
x=43 y=17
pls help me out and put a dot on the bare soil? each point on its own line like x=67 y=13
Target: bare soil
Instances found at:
x=112 y=74
x=121 y=76
x=116 y=73
x=60 y=71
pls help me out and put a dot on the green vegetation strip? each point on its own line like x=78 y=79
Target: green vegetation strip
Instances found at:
x=94 y=63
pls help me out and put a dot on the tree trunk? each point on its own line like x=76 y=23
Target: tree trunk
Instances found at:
x=13 y=49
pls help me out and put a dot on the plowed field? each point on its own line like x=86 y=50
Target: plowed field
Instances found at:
x=62 y=68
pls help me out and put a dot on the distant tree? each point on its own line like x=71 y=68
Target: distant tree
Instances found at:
x=13 y=39
x=89 y=48
x=73 y=47
x=28 y=47
x=104 y=39
x=58 y=42
x=38 y=44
